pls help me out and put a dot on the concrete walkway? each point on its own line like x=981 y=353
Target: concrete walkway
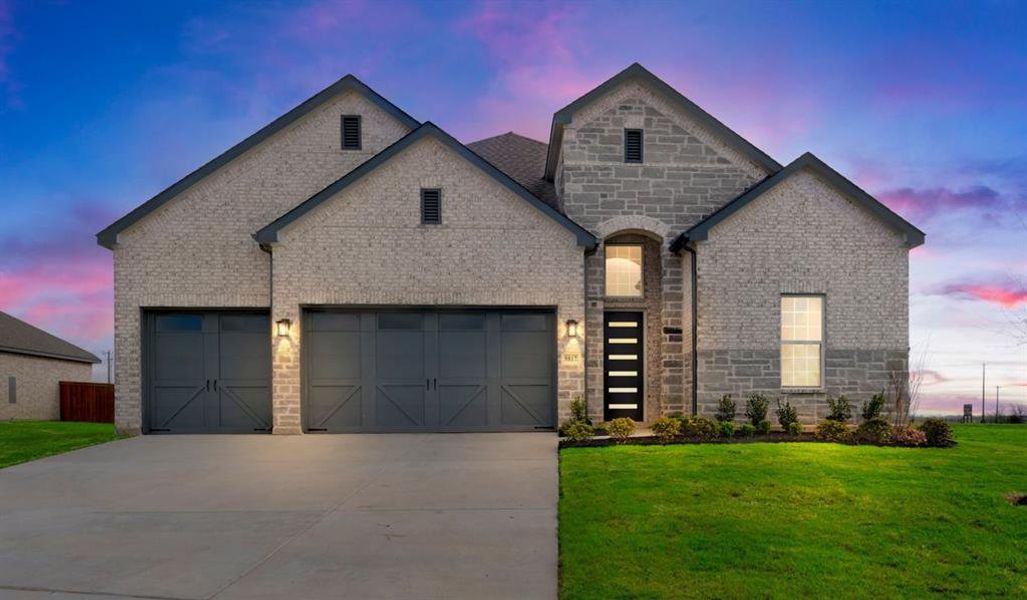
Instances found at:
x=316 y=516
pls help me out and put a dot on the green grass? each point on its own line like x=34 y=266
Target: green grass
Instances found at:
x=796 y=520
x=22 y=441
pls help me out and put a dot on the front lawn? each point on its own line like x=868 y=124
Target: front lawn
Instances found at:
x=22 y=441
x=794 y=520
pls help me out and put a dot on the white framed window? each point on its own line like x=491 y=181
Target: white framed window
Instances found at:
x=802 y=341
x=624 y=270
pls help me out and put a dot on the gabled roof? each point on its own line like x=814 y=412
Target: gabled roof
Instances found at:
x=109 y=236
x=269 y=234
x=18 y=337
x=639 y=73
x=698 y=232
x=523 y=159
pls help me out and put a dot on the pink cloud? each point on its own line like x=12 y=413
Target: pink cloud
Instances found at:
x=1008 y=296
x=930 y=377
x=926 y=203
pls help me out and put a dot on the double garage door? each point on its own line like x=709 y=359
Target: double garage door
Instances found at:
x=363 y=370
x=429 y=370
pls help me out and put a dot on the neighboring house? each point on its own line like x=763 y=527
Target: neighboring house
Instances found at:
x=348 y=268
x=32 y=363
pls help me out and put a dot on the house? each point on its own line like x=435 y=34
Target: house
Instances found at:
x=349 y=268
x=32 y=363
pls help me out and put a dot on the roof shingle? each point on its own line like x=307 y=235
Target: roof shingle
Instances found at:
x=523 y=159
x=18 y=337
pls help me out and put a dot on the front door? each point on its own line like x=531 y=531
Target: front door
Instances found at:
x=623 y=356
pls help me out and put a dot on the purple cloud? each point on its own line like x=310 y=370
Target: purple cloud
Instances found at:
x=922 y=204
x=1007 y=295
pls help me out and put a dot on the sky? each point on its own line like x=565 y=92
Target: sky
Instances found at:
x=103 y=104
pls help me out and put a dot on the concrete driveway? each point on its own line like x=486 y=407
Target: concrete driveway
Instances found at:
x=316 y=516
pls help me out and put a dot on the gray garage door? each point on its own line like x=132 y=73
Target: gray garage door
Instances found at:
x=208 y=372
x=429 y=370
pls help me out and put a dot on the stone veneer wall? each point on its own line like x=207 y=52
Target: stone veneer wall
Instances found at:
x=367 y=246
x=197 y=250
x=687 y=174
x=801 y=237
x=37 y=392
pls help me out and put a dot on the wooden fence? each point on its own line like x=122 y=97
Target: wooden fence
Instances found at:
x=90 y=402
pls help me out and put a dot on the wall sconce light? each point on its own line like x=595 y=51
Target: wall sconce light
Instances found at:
x=283 y=327
x=572 y=328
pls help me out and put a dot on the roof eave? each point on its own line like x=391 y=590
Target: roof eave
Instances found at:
x=92 y=360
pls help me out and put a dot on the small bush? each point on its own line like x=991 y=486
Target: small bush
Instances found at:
x=763 y=427
x=794 y=428
x=726 y=409
x=577 y=430
x=833 y=431
x=937 y=432
x=579 y=410
x=704 y=428
x=904 y=435
x=786 y=414
x=666 y=428
x=727 y=429
x=620 y=429
x=872 y=408
x=874 y=431
x=839 y=409
x=756 y=407
x=747 y=430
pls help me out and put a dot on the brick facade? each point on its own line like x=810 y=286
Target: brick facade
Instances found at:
x=38 y=394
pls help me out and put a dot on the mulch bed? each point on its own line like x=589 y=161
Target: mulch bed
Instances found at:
x=772 y=437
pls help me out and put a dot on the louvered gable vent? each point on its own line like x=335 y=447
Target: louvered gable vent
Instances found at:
x=431 y=206
x=633 y=145
x=351 y=132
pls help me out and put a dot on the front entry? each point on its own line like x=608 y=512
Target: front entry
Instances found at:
x=208 y=372
x=428 y=370
x=623 y=360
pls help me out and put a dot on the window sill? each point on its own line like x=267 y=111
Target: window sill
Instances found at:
x=803 y=390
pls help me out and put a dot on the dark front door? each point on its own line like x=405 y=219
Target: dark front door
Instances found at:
x=208 y=372
x=428 y=370
x=623 y=358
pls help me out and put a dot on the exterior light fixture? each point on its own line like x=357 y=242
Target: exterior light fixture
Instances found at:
x=572 y=328
x=283 y=327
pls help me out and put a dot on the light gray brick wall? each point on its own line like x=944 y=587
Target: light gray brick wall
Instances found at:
x=38 y=394
x=688 y=172
x=197 y=250
x=801 y=237
x=366 y=245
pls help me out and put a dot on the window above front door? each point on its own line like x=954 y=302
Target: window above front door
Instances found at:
x=624 y=270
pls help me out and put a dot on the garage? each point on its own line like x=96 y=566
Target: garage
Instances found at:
x=386 y=370
x=207 y=372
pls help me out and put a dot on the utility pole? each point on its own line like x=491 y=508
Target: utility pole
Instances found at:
x=984 y=376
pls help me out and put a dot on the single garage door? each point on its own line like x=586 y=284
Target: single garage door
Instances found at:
x=429 y=370
x=208 y=372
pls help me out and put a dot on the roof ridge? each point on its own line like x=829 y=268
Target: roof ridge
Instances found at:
x=509 y=133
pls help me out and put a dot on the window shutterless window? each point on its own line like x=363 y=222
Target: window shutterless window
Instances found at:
x=624 y=270
x=632 y=145
x=802 y=341
x=431 y=206
x=351 y=132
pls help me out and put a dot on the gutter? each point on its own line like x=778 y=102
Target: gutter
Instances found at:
x=695 y=329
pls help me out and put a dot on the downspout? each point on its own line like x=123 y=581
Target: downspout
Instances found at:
x=695 y=330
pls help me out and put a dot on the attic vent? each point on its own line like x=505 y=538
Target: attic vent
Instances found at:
x=351 y=132
x=431 y=206
x=632 y=145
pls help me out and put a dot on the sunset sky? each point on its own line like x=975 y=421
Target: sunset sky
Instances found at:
x=104 y=104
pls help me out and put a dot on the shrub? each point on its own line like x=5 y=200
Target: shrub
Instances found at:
x=763 y=427
x=579 y=410
x=786 y=414
x=872 y=409
x=726 y=409
x=794 y=428
x=704 y=428
x=756 y=408
x=727 y=429
x=904 y=435
x=937 y=432
x=666 y=428
x=839 y=409
x=577 y=430
x=620 y=429
x=747 y=430
x=833 y=431
x=874 y=431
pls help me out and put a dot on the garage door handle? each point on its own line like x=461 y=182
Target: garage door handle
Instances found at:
x=427 y=385
x=215 y=385
x=435 y=383
x=208 y=385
